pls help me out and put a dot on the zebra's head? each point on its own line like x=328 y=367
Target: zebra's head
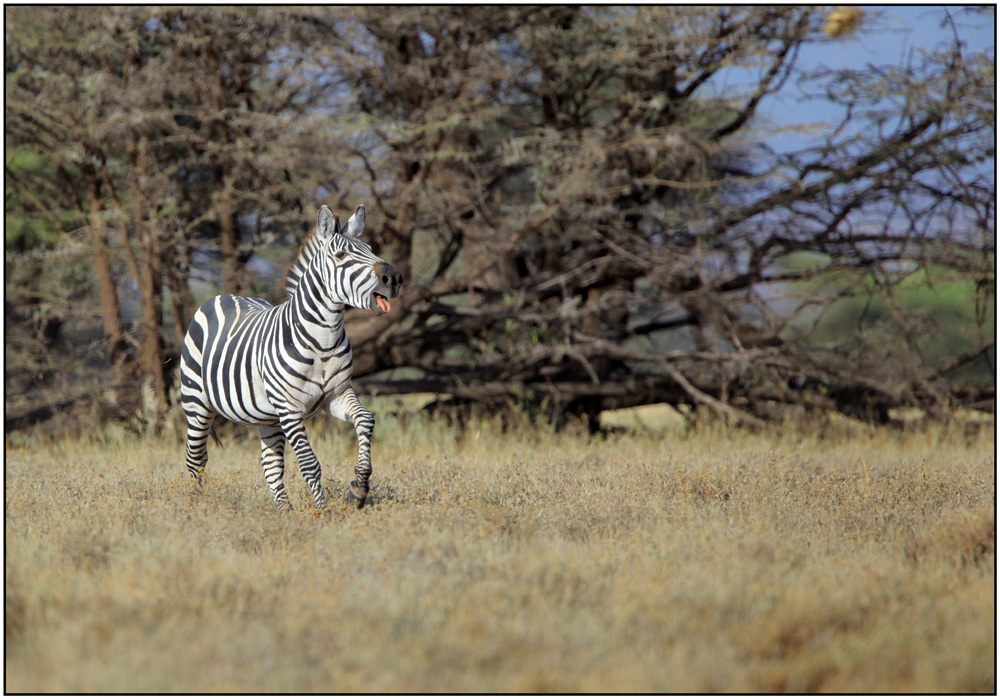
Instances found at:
x=352 y=273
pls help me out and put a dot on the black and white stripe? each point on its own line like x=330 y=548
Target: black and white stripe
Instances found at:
x=274 y=366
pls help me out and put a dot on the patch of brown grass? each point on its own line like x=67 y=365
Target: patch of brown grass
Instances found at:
x=525 y=562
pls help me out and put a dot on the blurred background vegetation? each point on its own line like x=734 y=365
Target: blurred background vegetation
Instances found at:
x=585 y=218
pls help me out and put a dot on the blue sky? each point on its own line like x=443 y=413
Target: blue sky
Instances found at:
x=888 y=36
x=892 y=30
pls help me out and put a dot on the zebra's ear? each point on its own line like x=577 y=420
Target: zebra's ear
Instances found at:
x=356 y=224
x=326 y=224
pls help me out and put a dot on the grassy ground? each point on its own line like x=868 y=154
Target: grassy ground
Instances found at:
x=527 y=562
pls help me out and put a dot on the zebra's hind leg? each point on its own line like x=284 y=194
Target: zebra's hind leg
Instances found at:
x=272 y=460
x=295 y=432
x=347 y=407
x=199 y=427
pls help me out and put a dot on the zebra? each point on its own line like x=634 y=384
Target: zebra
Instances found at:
x=275 y=366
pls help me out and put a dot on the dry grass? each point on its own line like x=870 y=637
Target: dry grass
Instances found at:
x=528 y=562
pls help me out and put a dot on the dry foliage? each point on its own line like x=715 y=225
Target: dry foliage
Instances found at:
x=712 y=562
x=593 y=207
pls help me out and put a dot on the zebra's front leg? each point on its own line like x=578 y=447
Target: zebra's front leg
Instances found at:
x=272 y=460
x=295 y=433
x=347 y=407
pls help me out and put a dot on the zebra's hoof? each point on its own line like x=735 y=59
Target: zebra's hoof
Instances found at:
x=357 y=494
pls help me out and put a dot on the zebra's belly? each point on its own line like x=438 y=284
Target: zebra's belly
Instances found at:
x=308 y=397
x=243 y=402
x=264 y=413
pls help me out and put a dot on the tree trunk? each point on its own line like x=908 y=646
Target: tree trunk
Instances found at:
x=150 y=283
x=181 y=299
x=227 y=221
x=151 y=345
x=114 y=334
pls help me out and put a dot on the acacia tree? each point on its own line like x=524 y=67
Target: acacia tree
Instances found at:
x=585 y=220
x=588 y=225
x=165 y=127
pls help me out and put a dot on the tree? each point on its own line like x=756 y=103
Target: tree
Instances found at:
x=586 y=224
x=584 y=218
x=166 y=126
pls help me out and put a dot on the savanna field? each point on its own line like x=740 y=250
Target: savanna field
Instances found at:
x=652 y=560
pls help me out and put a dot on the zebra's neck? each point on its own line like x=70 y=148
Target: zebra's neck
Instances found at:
x=316 y=313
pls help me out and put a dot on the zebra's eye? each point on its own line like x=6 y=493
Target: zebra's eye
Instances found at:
x=340 y=256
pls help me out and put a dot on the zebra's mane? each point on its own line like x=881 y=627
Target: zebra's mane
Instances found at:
x=306 y=251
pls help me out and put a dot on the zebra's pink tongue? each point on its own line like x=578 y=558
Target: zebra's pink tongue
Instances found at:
x=383 y=303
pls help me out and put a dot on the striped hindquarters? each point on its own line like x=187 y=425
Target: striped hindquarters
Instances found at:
x=220 y=359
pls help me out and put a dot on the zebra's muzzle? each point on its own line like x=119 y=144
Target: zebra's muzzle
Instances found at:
x=388 y=284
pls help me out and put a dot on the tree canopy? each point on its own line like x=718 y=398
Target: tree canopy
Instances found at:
x=585 y=220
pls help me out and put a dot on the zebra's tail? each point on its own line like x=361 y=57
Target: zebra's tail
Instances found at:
x=215 y=437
